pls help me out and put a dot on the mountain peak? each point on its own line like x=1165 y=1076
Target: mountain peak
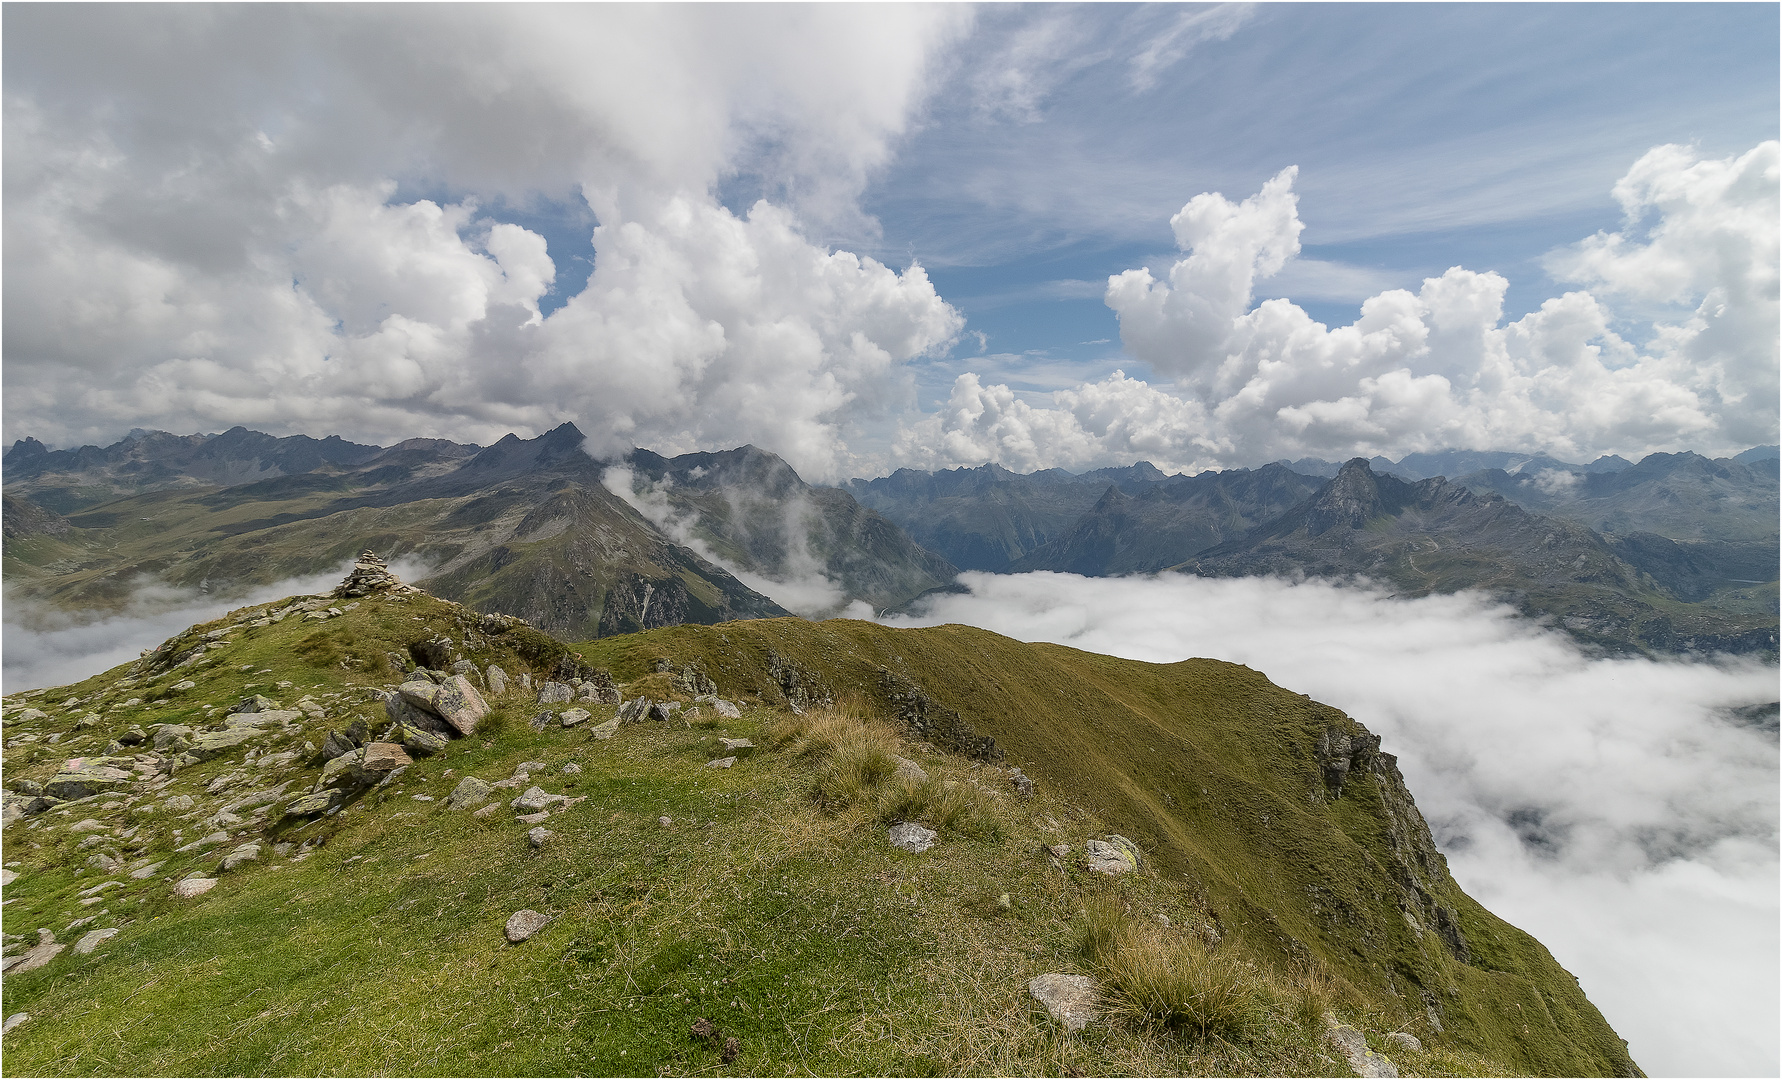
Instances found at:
x=1350 y=500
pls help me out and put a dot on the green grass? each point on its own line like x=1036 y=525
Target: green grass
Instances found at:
x=772 y=905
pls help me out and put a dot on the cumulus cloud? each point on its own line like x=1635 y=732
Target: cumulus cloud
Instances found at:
x=1614 y=808
x=1434 y=368
x=216 y=231
x=46 y=646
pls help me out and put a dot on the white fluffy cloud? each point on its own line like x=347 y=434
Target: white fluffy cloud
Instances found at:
x=211 y=232
x=1431 y=369
x=1610 y=807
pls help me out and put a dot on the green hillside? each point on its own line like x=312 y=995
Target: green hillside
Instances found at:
x=1296 y=876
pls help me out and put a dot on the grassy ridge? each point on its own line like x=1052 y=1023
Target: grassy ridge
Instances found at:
x=771 y=903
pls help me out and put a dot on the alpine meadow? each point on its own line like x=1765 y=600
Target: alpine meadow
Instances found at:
x=906 y=539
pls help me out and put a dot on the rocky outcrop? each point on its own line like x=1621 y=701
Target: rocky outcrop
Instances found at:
x=926 y=720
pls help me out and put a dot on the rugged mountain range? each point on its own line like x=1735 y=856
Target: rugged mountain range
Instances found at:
x=525 y=527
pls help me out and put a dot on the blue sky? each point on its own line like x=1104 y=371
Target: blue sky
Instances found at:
x=428 y=182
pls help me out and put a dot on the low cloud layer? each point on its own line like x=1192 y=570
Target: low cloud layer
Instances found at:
x=1614 y=808
x=1674 y=346
x=47 y=647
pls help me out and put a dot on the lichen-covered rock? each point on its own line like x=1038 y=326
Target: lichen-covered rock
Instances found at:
x=497 y=679
x=524 y=923
x=419 y=742
x=1070 y=999
x=555 y=693
x=535 y=799
x=1115 y=855
x=172 y=738
x=400 y=711
x=317 y=802
x=421 y=693
x=910 y=836
x=604 y=731
x=242 y=855
x=383 y=757
x=1404 y=1041
x=1352 y=1044
x=87 y=780
x=459 y=705
x=346 y=771
x=469 y=792
x=572 y=717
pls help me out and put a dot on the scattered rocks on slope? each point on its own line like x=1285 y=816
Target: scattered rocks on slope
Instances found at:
x=572 y=717
x=246 y=853
x=1069 y=998
x=912 y=837
x=37 y=956
x=524 y=923
x=555 y=693
x=1115 y=855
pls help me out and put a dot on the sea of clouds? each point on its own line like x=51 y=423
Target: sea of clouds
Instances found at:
x=1612 y=807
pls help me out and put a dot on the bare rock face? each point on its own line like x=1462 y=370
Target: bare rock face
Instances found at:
x=369 y=575
x=1069 y=998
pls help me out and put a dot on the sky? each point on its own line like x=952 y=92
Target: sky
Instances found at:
x=870 y=237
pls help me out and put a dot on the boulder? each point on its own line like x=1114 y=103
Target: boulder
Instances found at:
x=543 y=720
x=725 y=709
x=1070 y=999
x=739 y=747
x=316 y=802
x=555 y=693
x=420 y=693
x=497 y=679
x=910 y=836
x=469 y=792
x=459 y=705
x=346 y=771
x=87 y=780
x=524 y=923
x=418 y=742
x=193 y=886
x=337 y=744
x=400 y=711
x=1023 y=785
x=1352 y=1044
x=604 y=731
x=1115 y=855
x=383 y=757
x=535 y=799
x=632 y=712
x=1400 y=1040
x=254 y=703
x=142 y=873
x=246 y=853
x=572 y=717
x=133 y=736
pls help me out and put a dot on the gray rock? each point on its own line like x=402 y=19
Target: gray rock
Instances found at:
x=1115 y=855
x=571 y=769
x=912 y=837
x=92 y=939
x=739 y=747
x=1023 y=786
x=418 y=741
x=460 y=705
x=319 y=802
x=254 y=703
x=1070 y=999
x=604 y=731
x=725 y=709
x=400 y=711
x=497 y=679
x=469 y=792
x=532 y=819
x=572 y=717
x=538 y=836
x=148 y=871
x=421 y=693
x=543 y=720
x=634 y=711
x=721 y=763
x=37 y=956
x=909 y=770
x=1058 y=851
x=242 y=855
x=534 y=799
x=555 y=693
x=178 y=804
x=105 y=864
x=524 y=923
x=193 y=886
x=347 y=772
x=1352 y=1044
x=337 y=744
x=1404 y=1041
x=88 y=780
x=527 y=768
x=132 y=737
x=7 y=877
x=13 y=1021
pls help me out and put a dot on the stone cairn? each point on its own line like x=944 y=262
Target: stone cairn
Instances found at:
x=369 y=575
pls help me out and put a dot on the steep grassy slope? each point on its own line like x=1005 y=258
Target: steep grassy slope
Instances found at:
x=1276 y=838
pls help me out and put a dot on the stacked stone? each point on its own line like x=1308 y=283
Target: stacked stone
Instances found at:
x=369 y=575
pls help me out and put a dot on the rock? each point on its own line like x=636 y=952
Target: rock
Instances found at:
x=721 y=763
x=182 y=686
x=148 y=871
x=14 y=1021
x=486 y=811
x=634 y=711
x=606 y=730
x=534 y=799
x=1069 y=998
x=599 y=690
x=555 y=693
x=37 y=956
x=527 y=768
x=532 y=819
x=26 y=716
x=420 y=693
x=725 y=709
x=524 y=923
x=88 y=780
x=92 y=939
x=27 y=787
x=908 y=770
x=133 y=736
x=337 y=744
x=912 y=837
x=1023 y=786
x=7 y=877
x=319 y=802
x=497 y=679
x=105 y=864
x=419 y=742
x=538 y=836
x=178 y=804
x=346 y=771
x=467 y=669
x=193 y=886
x=401 y=711
x=469 y=792
x=739 y=747
x=246 y=853
x=1400 y=1040
x=571 y=769
x=1115 y=855
x=383 y=757
x=460 y=705
x=543 y=720
x=254 y=703
x=1058 y=851
x=1352 y=1044
x=665 y=821
x=572 y=717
